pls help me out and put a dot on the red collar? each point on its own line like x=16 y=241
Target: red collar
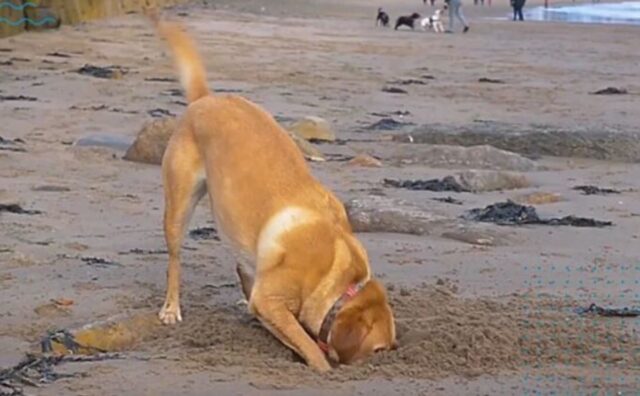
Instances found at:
x=327 y=323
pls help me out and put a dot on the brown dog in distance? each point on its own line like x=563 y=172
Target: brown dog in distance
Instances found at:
x=311 y=283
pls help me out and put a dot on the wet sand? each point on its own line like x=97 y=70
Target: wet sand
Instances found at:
x=472 y=319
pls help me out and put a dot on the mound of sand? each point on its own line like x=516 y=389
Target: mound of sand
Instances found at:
x=440 y=335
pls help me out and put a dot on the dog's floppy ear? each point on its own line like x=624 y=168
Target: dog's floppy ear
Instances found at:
x=347 y=336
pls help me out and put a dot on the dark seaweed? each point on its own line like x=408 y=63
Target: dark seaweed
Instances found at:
x=511 y=213
x=204 y=233
x=449 y=183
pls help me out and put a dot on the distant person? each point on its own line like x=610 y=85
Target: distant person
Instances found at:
x=455 y=10
x=475 y=2
x=518 y=5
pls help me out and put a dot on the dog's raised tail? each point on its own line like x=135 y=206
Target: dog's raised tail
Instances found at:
x=186 y=56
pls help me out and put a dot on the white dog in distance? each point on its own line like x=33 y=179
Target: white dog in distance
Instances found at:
x=434 y=22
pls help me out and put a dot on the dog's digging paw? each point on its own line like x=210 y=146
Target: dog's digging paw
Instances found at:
x=170 y=315
x=322 y=366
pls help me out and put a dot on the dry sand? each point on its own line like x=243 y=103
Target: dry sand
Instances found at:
x=471 y=319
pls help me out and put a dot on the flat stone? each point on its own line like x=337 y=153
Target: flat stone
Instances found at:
x=115 y=142
x=603 y=143
x=446 y=156
x=484 y=180
x=381 y=214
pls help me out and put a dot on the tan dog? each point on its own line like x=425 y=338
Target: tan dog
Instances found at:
x=311 y=285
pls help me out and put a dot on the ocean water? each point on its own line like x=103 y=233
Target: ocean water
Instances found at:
x=612 y=13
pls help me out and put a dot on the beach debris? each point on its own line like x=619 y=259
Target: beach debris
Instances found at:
x=229 y=90
x=337 y=157
x=388 y=124
x=490 y=80
x=162 y=79
x=110 y=72
x=17 y=209
x=538 y=198
x=113 y=334
x=93 y=261
x=172 y=92
x=36 y=370
x=449 y=200
x=313 y=128
x=448 y=183
x=609 y=312
x=204 y=233
x=594 y=190
x=50 y=188
x=468 y=181
x=471 y=237
x=408 y=81
x=99 y=262
x=365 y=160
x=58 y=54
x=380 y=214
x=427 y=77
x=10 y=145
x=17 y=98
x=157 y=113
x=63 y=302
x=394 y=90
x=610 y=91
x=511 y=213
x=144 y=251
x=399 y=113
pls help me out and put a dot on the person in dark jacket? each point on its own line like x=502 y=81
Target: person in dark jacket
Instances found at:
x=517 y=5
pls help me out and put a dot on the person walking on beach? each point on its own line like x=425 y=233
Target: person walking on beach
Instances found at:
x=518 y=5
x=456 y=11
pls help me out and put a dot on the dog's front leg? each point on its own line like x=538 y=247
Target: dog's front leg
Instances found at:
x=278 y=319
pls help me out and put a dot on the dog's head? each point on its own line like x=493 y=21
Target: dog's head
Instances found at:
x=415 y=15
x=364 y=326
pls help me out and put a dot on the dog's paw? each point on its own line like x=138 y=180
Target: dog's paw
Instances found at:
x=170 y=314
x=321 y=366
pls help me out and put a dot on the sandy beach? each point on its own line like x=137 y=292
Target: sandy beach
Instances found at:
x=481 y=308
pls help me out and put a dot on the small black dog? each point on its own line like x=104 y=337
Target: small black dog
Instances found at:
x=382 y=18
x=407 y=20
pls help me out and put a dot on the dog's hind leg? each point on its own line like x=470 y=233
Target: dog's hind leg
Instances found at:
x=184 y=186
x=247 y=279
